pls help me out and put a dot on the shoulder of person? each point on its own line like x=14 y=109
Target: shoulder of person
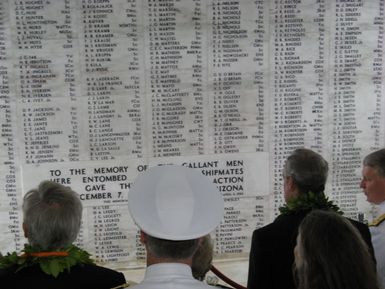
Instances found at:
x=357 y=223
x=106 y=270
x=378 y=221
x=289 y=222
x=99 y=273
x=125 y=285
x=223 y=286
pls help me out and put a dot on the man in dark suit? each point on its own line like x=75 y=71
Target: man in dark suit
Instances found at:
x=271 y=255
x=52 y=218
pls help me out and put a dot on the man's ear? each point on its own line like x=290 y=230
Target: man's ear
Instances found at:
x=290 y=183
x=143 y=237
x=25 y=230
x=290 y=188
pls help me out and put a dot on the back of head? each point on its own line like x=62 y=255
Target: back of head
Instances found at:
x=52 y=216
x=171 y=250
x=377 y=161
x=331 y=253
x=308 y=169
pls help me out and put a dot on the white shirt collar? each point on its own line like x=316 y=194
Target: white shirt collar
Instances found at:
x=381 y=208
x=167 y=269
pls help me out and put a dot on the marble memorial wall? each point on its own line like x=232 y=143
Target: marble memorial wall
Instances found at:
x=93 y=92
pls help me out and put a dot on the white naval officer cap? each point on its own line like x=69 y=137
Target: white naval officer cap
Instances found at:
x=175 y=203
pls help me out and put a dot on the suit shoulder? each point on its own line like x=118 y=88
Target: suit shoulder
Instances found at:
x=99 y=273
x=282 y=227
x=99 y=269
x=357 y=223
x=362 y=227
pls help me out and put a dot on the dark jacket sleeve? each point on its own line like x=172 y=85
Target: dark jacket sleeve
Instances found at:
x=257 y=279
x=271 y=254
x=365 y=234
x=87 y=276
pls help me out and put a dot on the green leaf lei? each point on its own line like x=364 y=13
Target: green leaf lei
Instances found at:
x=308 y=202
x=51 y=265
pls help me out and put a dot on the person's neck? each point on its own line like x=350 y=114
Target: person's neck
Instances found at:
x=152 y=260
x=307 y=202
x=381 y=207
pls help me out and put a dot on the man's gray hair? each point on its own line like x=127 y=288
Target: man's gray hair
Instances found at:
x=308 y=169
x=377 y=161
x=52 y=215
x=174 y=250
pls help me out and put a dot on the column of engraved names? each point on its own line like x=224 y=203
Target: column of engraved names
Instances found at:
x=260 y=76
x=71 y=74
x=345 y=151
x=112 y=86
x=198 y=75
x=229 y=178
x=34 y=74
x=45 y=75
x=135 y=87
x=9 y=196
x=226 y=76
x=286 y=94
x=100 y=103
x=299 y=83
x=318 y=92
x=107 y=234
x=175 y=88
x=378 y=77
x=105 y=205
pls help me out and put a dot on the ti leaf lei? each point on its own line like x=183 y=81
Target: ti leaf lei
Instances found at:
x=52 y=263
x=308 y=202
